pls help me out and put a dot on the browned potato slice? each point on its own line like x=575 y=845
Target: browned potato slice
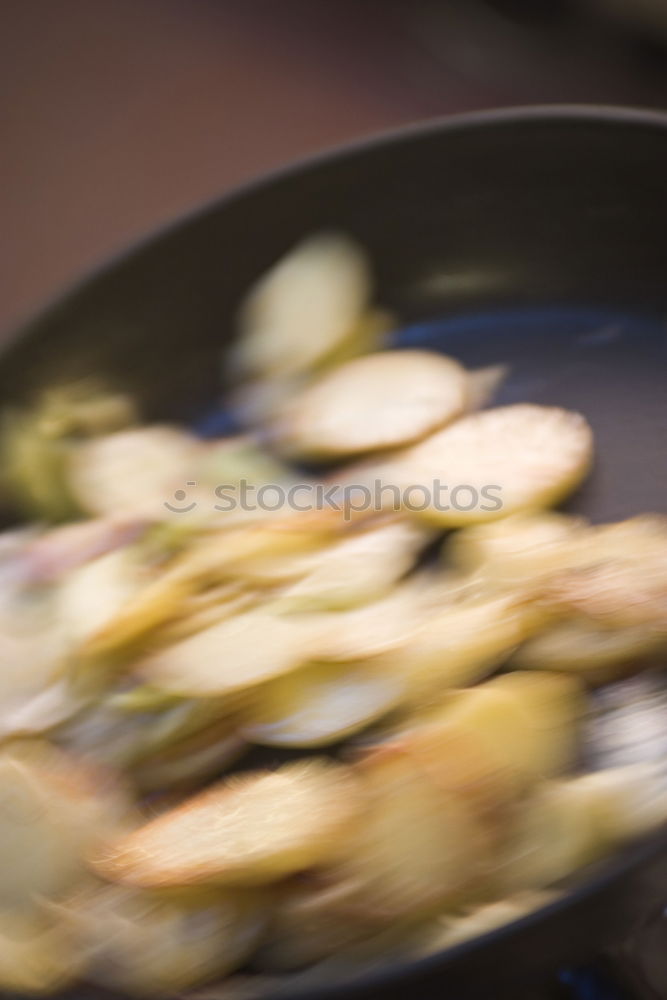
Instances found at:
x=238 y=653
x=375 y=402
x=159 y=943
x=494 y=463
x=303 y=308
x=321 y=703
x=597 y=654
x=52 y=811
x=248 y=830
x=417 y=847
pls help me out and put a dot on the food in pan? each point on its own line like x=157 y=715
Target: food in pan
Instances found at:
x=409 y=621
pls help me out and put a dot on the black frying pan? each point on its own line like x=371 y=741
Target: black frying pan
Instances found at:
x=535 y=237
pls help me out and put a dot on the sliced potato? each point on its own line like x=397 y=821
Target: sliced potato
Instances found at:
x=92 y=595
x=52 y=811
x=518 y=548
x=620 y=578
x=489 y=743
x=494 y=463
x=569 y=824
x=157 y=943
x=249 y=830
x=382 y=625
x=321 y=704
x=357 y=569
x=134 y=471
x=303 y=308
x=36 y=955
x=417 y=848
x=372 y=403
x=31 y=661
x=208 y=562
x=597 y=654
x=117 y=734
x=463 y=643
x=238 y=653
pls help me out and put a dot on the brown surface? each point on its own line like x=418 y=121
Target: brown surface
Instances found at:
x=121 y=114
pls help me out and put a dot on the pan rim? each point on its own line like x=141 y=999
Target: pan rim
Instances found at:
x=595 y=114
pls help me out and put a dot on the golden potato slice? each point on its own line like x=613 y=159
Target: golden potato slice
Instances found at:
x=462 y=643
x=417 y=847
x=248 y=830
x=372 y=403
x=157 y=943
x=321 y=704
x=205 y=564
x=303 y=308
x=549 y=709
x=568 y=824
x=91 y=596
x=494 y=463
x=386 y=624
x=490 y=742
x=133 y=471
x=52 y=811
x=238 y=653
x=357 y=569
x=458 y=762
x=620 y=578
x=516 y=549
x=597 y=654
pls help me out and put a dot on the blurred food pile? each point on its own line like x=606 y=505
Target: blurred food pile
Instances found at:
x=434 y=659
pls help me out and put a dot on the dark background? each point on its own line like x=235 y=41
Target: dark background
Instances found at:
x=117 y=115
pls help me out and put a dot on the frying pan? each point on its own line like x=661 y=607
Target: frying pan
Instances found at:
x=533 y=237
